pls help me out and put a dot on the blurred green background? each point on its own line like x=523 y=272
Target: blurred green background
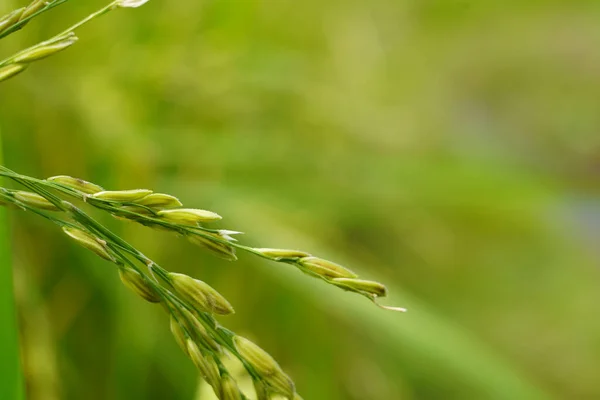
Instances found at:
x=447 y=148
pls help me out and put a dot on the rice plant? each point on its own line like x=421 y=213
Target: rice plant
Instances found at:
x=190 y=303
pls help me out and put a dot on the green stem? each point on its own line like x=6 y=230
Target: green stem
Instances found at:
x=90 y=17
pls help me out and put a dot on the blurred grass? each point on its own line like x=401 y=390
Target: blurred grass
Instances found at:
x=10 y=365
x=435 y=345
x=447 y=148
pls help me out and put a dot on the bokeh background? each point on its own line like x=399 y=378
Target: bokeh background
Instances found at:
x=447 y=148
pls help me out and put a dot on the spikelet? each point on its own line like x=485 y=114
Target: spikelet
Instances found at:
x=6 y=202
x=229 y=389
x=198 y=331
x=325 y=268
x=265 y=366
x=32 y=8
x=280 y=254
x=200 y=294
x=11 y=18
x=206 y=365
x=41 y=52
x=280 y=383
x=76 y=183
x=178 y=334
x=122 y=195
x=159 y=200
x=134 y=281
x=34 y=200
x=90 y=242
x=219 y=249
x=189 y=216
x=262 y=361
x=11 y=70
x=361 y=285
x=261 y=390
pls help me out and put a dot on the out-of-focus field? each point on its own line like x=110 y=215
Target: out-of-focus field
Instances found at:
x=448 y=148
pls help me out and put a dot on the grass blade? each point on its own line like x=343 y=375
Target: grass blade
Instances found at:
x=10 y=365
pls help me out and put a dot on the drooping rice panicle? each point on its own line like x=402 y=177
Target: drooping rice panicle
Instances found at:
x=190 y=303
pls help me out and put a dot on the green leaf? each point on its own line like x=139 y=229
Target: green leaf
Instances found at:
x=10 y=365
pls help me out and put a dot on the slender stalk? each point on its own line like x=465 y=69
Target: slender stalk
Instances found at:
x=90 y=17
